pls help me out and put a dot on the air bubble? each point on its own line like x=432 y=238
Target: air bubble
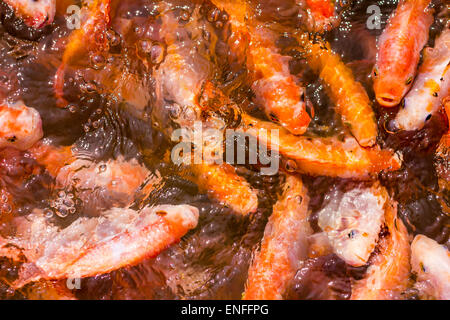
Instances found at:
x=7 y=208
x=89 y=87
x=154 y=51
x=98 y=61
x=48 y=213
x=61 y=214
x=185 y=15
x=174 y=111
x=291 y=166
x=113 y=38
x=157 y=53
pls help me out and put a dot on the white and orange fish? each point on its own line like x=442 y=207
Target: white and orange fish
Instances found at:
x=352 y=222
x=90 y=37
x=20 y=126
x=431 y=263
x=35 y=13
x=430 y=87
x=276 y=89
x=92 y=246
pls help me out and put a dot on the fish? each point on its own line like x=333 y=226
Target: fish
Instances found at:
x=442 y=156
x=284 y=245
x=275 y=88
x=20 y=126
x=399 y=48
x=323 y=13
x=388 y=273
x=431 y=86
x=92 y=246
x=350 y=97
x=352 y=222
x=431 y=263
x=223 y=184
x=35 y=13
x=330 y=156
x=90 y=37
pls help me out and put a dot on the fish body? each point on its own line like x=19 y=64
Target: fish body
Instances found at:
x=352 y=222
x=399 y=48
x=388 y=274
x=284 y=246
x=20 y=126
x=35 y=13
x=322 y=156
x=431 y=86
x=431 y=263
x=350 y=97
x=92 y=246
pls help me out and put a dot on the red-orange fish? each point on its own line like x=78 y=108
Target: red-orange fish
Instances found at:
x=284 y=246
x=399 y=50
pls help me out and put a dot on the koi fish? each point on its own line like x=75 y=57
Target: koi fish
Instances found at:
x=352 y=221
x=284 y=245
x=430 y=87
x=399 y=49
x=223 y=184
x=20 y=126
x=431 y=263
x=387 y=276
x=35 y=13
x=350 y=97
x=275 y=88
x=322 y=156
x=92 y=246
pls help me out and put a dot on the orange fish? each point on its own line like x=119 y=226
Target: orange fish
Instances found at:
x=92 y=246
x=275 y=88
x=387 y=276
x=223 y=184
x=322 y=156
x=399 y=50
x=284 y=246
x=350 y=97
x=90 y=37
x=443 y=154
x=323 y=14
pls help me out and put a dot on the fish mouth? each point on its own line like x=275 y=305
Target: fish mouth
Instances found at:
x=387 y=100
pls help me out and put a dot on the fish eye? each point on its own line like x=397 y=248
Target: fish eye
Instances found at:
x=375 y=72
x=409 y=80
